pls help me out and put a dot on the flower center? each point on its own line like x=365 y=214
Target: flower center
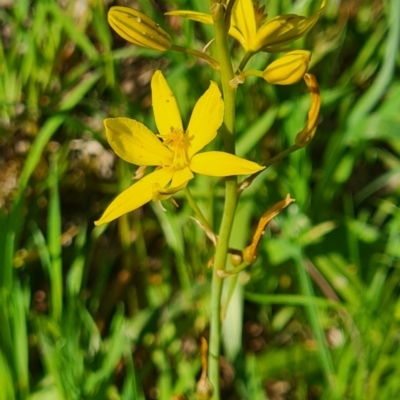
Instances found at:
x=178 y=141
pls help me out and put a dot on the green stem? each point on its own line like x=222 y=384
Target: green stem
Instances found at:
x=200 y=216
x=226 y=73
x=253 y=72
x=245 y=60
x=228 y=14
x=198 y=54
x=282 y=155
x=247 y=182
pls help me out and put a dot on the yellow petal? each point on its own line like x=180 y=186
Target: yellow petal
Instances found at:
x=243 y=23
x=166 y=112
x=284 y=29
x=135 y=196
x=138 y=28
x=193 y=15
x=218 y=163
x=181 y=177
x=207 y=117
x=179 y=181
x=288 y=69
x=134 y=143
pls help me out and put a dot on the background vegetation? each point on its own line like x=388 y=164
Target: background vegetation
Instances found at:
x=117 y=312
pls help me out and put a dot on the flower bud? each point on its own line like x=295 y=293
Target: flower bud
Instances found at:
x=236 y=257
x=288 y=69
x=204 y=389
x=283 y=30
x=138 y=28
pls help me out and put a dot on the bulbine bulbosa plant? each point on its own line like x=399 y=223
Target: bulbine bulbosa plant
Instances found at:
x=175 y=152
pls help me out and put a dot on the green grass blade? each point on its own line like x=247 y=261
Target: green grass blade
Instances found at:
x=314 y=318
x=78 y=36
x=255 y=132
x=116 y=347
x=54 y=241
x=7 y=253
x=385 y=75
x=7 y=382
x=75 y=274
x=70 y=100
x=172 y=228
x=293 y=300
x=20 y=342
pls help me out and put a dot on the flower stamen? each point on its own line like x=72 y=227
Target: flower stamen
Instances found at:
x=177 y=141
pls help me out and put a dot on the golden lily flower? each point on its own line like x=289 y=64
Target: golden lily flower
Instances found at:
x=138 y=28
x=288 y=69
x=176 y=154
x=271 y=36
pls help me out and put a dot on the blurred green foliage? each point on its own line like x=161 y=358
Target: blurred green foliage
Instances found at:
x=117 y=312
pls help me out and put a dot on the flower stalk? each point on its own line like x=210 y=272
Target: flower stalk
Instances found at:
x=198 y=54
x=226 y=74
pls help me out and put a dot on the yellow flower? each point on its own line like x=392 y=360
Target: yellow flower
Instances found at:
x=270 y=36
x=273 y=34
x=138 y=28
x=288 y=69
x=176 y=154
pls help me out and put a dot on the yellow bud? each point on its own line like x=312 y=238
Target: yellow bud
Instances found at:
x=236 y=258
x=288 y=69
x=284 y=29
x=138 y=28
x=204 y=388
